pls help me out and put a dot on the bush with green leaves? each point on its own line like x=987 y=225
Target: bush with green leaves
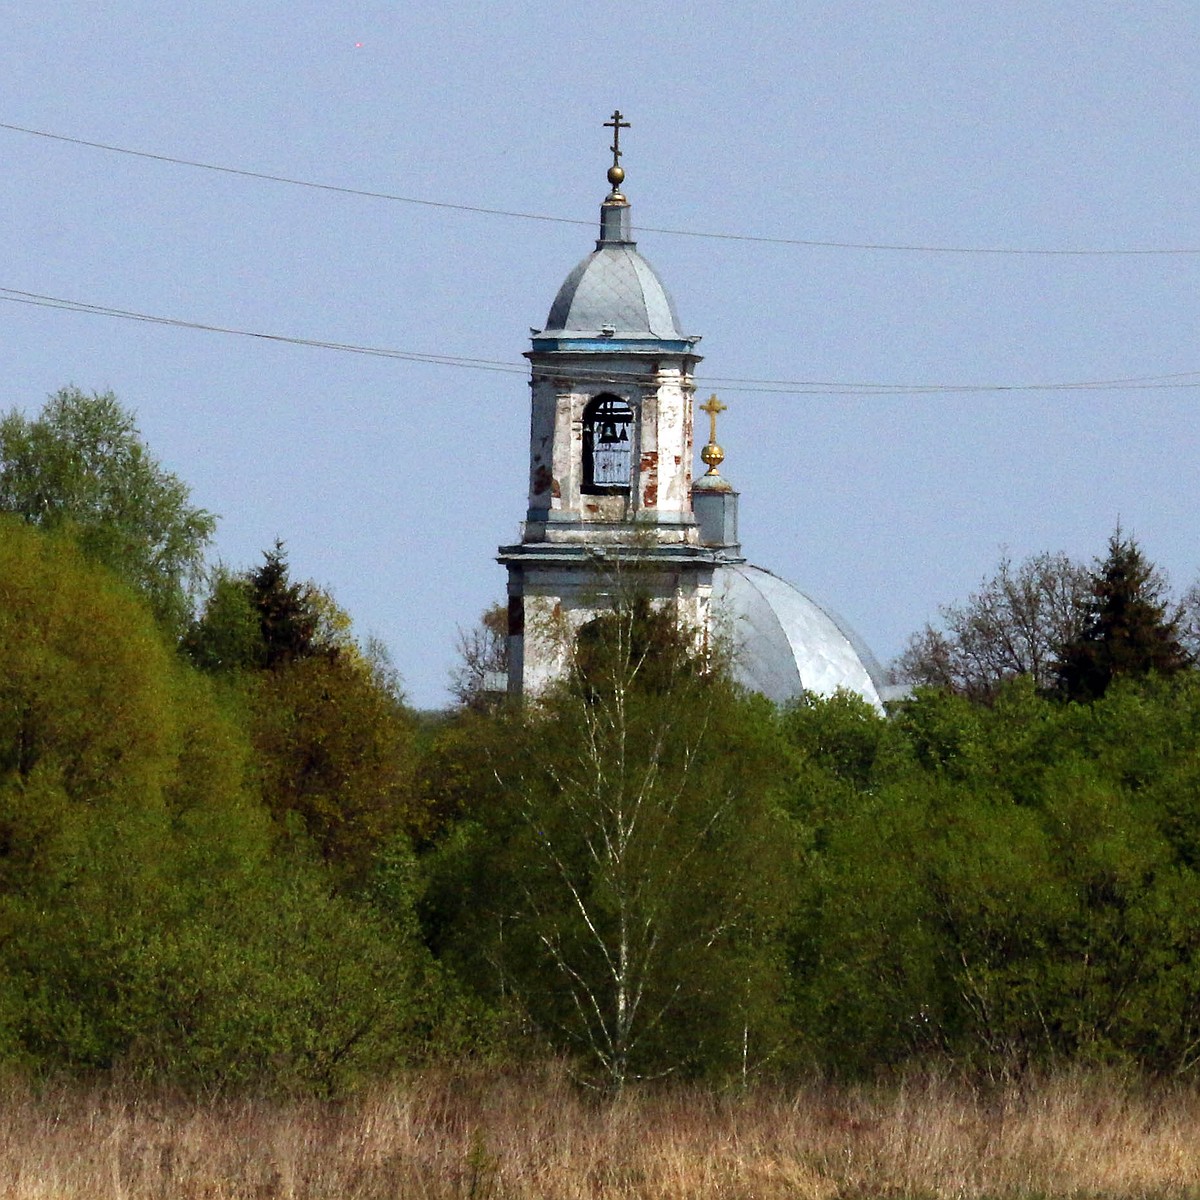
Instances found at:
x=152 y=919
x=1010 y=885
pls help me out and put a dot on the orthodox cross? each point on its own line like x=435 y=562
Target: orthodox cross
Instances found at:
x=616 y=125
x=713 y=407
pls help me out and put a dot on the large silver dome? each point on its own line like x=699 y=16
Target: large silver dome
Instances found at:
x=784 y=643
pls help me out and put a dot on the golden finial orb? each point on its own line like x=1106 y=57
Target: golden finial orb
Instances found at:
x=712 y=455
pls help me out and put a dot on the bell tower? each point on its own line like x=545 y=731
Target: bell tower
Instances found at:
x=610 y=452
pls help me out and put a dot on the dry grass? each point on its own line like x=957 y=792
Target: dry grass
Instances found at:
x=443 y=1136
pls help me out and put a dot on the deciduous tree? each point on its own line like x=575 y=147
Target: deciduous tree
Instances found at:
x=631 y=869
x=483 y=658
x=81 y=465
x=151 y=916
x=1014 y=625
x=336 y=751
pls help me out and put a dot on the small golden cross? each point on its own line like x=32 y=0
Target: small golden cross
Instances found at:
x=713 y=407
x=616 y=125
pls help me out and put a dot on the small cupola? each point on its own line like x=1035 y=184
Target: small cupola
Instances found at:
x=714 y=500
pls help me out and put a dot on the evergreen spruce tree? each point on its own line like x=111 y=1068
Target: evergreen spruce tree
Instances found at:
x=287 y=611
x=258 y=620
x=1128 y=630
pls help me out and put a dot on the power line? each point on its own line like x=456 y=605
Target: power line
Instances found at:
x=285 y=179
x=39 y=300
x=812 y=243
x=790 y=387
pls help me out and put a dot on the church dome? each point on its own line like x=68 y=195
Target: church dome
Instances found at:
x=614 y=291
x=784 y=643
x=614 y=288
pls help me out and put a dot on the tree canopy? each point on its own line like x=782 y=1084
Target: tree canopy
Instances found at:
x=1127 y=629
x=626 y=875
x=81 y=466
x=1068 y=629
x=248 y=865
x=1013 y=625
x=154 y=914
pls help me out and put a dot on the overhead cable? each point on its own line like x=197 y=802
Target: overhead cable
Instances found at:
x=813 y=243
x=788 y=387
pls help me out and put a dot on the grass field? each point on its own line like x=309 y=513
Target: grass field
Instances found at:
x=443 y=1135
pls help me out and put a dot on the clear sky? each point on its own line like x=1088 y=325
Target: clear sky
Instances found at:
x=1045 y=125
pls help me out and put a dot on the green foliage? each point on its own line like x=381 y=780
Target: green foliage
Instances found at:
x=256 y=977
x=84 y=676
x=454 y=774
x=149 y=918
x=262 y=620
x=214 y=876
x=81 y=466
x=335 y=750
x=989 y=887
x=626 y=871
x=287 y=615
x=1127 y=631
x=333 y=742
x=636 y=647
x=1011 y=886
x=842 y=736
x=227 y=636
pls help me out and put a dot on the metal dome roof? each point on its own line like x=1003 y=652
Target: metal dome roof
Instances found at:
x=785 y=643
x=614 y=288
x=614 y=291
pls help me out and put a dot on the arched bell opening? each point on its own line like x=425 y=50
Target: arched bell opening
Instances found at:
x=607 y=445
